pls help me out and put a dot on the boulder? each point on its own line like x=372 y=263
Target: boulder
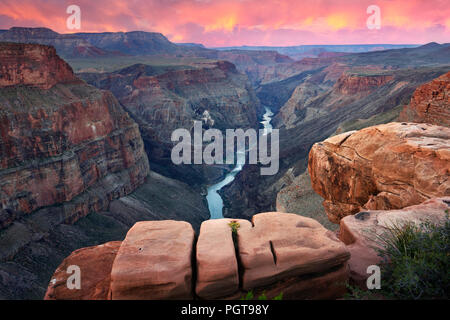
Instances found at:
x=430 y=103
x=217 y=265
x=389 y=166
x=282 y=246
x=95 y=265
x=361 y=232
x=154 y=262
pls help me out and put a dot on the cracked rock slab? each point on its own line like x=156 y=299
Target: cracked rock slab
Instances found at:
x=154 y=262
x=283 y=245
x=217 y=265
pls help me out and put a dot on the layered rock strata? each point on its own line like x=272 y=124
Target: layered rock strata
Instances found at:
x=66 y=148
x=430 y=103
x=383 y=167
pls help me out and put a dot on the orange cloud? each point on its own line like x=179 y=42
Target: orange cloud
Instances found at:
x=237 y=22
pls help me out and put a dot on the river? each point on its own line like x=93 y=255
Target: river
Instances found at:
x=215 y=202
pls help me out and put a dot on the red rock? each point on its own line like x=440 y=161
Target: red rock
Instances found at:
x=154 y=262
x=281 y=246
x=384 y=167
x=349 y=84
x=63 y=143
x=95 y=265
x=281 y=253
x=430 y=103
x=360 y=231
x=217 y=266
x=32 y=64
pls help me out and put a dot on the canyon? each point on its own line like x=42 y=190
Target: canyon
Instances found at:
x=86 y=174
x=162 y=100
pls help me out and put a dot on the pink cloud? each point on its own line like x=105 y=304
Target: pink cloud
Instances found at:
x=251 y=22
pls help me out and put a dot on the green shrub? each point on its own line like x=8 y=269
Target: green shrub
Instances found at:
x=251 y=296
x=234 y=225
x=416 y=262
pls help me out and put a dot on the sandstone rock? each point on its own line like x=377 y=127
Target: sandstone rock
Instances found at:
x=282 y=246
x=360 y=232
x=384 y=167
x=325 y=286
x=430 y=103
x=217 y=266
x=282 y=252
x=95 y=265
x=154 y=262
x=35 y=65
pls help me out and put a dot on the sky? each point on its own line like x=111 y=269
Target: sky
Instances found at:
x=217 y=23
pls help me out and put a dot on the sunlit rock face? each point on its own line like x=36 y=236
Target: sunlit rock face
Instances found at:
x=275 y=253
x=430 y=103
x=384 y=167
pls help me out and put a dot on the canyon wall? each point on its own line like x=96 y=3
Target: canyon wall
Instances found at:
x=164 y=98
x=38 y=66
x=67 y=150
x=430 y=103
x=59 y=143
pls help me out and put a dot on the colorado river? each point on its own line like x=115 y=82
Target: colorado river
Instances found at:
x=215 y=202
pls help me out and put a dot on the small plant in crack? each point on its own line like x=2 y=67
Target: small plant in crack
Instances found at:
x=234 y=225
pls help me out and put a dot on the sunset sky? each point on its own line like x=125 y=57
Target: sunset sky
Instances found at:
x=244 y=22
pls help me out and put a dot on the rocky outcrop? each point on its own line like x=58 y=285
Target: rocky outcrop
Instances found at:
x=217 y=269
x=44 y=237
x=276 y=253
x=384 y=167
x=35 y=65
x=430 y=103
x=362 y=232
x=154 y=262
x=95 y=264
x=281 y=246
x=66 y=148
x=349 y=84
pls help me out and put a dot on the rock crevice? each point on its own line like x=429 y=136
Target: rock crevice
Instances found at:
x=281 y=253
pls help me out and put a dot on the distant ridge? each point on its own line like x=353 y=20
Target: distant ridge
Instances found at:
x=77 y=45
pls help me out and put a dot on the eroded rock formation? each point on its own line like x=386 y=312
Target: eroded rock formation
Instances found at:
x=35 y=65
x=96 y=263
x=276 y=253
x=384 y=167
x=66 y=148
x=430 y=103
x=350 y=84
